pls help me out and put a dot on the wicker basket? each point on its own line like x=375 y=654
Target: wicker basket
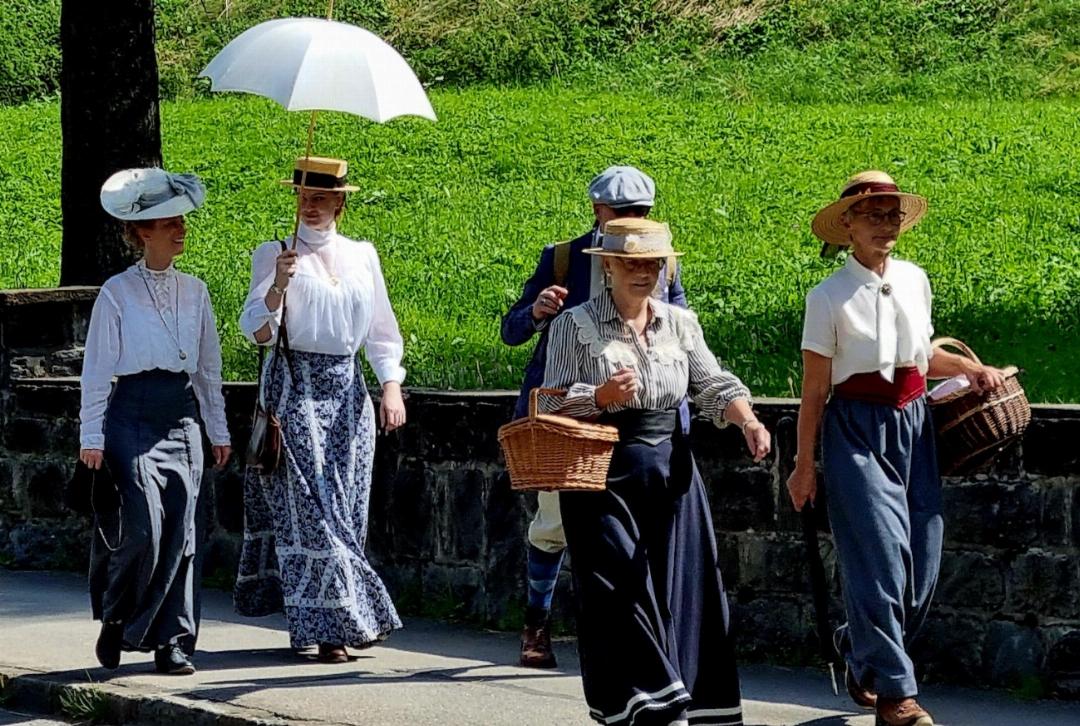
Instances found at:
x=550 y=453
x=973 y=428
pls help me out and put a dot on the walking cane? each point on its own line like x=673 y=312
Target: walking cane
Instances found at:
x=820 y=590
x=818 y=585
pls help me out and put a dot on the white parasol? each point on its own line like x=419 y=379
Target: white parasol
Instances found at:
x=312 y=64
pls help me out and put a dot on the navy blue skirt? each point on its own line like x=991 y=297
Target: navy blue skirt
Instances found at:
x=652 y=612
x=142 y=568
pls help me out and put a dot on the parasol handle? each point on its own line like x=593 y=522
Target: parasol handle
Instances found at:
x=330 y=10
x=303 y=177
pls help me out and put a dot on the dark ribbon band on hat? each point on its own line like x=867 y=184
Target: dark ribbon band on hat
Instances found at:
x=869 y=188
x=317 y=180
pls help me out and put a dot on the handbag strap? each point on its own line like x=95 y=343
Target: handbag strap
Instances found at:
x=281 y=345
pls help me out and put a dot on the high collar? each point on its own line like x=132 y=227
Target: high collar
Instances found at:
x=315 y=238
x=143 y=269
x=865 y=274
x=607 y=311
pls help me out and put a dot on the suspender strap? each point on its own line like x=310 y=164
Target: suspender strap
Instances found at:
x=562 y=262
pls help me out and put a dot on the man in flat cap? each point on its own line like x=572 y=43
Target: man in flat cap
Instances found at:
x=565 y=278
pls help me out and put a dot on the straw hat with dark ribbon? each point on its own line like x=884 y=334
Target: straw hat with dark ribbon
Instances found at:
x=828 y=224
x=323 y=173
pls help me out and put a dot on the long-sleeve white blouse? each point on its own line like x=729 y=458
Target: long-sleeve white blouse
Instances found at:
x=145 y=320
x=337 y=301
x=589 y=343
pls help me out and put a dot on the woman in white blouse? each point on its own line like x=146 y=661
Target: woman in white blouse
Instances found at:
x=652 y=611
x=306 y=523
x=866 y=340
x=153 y=329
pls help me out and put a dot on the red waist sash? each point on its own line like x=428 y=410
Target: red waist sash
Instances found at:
x=908 y=384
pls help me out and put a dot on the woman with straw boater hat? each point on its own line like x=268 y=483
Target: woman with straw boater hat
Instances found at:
x=153 y=329
x=866 y=356
x=564 y=278
x=306 y=521
x=652 y=612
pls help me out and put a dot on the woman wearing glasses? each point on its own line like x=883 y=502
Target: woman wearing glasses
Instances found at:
x=866 y=339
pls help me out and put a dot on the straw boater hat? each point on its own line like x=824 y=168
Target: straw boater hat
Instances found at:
x=633 y=238
x=828 y=223
x=137 y=195
x=322 y=173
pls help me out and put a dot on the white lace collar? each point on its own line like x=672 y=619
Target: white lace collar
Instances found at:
x=168 y=272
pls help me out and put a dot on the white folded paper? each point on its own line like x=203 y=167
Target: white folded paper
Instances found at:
x=949 y=387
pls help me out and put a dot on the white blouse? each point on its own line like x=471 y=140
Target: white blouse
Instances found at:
x=868 y=323
x=337 y=301
x=145 y=320
x=589 y=343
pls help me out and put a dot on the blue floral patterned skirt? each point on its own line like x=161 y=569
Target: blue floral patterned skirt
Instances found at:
x=305 y=525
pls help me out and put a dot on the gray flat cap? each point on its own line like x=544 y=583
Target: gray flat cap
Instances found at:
x=622 y=186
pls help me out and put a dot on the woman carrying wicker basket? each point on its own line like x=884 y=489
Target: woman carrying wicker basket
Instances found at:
x=652 y=612
x=866 y=338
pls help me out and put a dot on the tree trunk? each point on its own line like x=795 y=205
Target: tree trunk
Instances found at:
x=109 y=120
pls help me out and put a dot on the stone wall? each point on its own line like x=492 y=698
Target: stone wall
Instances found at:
x=449 y=535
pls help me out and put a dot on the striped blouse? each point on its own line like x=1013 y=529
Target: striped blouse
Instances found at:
x=590 y=342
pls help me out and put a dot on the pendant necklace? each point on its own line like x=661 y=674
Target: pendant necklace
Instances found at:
x=176 y=313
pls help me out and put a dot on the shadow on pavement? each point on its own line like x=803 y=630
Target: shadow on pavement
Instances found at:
x=231 y=690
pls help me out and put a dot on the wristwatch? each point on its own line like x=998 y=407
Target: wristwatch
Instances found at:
x=275 y=289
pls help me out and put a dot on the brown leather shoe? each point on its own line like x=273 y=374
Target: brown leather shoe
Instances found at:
x=330 y=653
x=863 y=697
x=536 y=649
x=901 y=712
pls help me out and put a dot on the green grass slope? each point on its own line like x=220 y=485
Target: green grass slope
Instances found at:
x=460 y=209
x=790 y=50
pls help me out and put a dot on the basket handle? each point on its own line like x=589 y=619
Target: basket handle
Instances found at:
x=535 y=393
x=958 y=345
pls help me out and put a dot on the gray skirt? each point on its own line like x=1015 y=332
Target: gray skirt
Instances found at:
x=142 y=556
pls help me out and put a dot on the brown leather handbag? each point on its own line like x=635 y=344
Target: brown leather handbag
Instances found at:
x=264 y=445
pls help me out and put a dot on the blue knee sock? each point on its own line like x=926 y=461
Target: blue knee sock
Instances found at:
x=543 y=576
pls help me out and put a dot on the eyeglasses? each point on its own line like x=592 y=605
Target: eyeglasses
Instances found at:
x=877 y=217
x=649 y=264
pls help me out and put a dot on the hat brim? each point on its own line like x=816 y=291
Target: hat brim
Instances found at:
x=828 y=225
x=178 y=206
x=345 y=188
x=657 y=255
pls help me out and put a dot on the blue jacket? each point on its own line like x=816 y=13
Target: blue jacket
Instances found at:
x=518 y=326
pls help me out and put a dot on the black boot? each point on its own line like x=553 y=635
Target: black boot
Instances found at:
x=109 y=642
x=171 y=659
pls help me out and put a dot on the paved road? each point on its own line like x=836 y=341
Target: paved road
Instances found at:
x=14 y=718
x=429 y=673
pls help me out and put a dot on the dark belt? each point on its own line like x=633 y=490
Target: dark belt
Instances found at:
x=907 y=385
x=650 y=427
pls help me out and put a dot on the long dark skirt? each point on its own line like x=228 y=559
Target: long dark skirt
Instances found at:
x=305 y=526
x=141 y=559
x=652 y=613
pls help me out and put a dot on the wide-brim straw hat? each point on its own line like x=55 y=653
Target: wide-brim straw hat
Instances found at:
x=828 y=224
x=634 y=238
x=323 y=173
x=139 y=195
